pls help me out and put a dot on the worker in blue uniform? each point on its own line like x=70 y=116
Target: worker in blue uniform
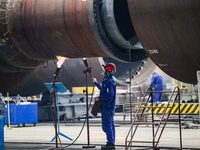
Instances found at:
x=157 y=85
x=107 y=97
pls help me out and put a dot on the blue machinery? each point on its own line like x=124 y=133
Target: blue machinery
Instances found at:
x=24 y=113
x=16 y=114
x=18 y=111
x=1 y=132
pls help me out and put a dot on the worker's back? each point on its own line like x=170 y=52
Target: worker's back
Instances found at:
x=157 y=81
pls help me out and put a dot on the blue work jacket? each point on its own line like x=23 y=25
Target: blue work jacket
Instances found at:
x=107 y=94
x=157 y=81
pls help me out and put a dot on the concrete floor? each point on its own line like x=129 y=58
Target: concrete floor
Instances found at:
x=38 y=137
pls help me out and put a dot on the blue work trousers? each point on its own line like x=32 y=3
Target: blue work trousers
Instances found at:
x=157 y=96
x=108 y=126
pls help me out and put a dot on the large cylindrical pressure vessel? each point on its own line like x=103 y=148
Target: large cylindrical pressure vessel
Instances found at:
x=71 y=28
x=35 y=31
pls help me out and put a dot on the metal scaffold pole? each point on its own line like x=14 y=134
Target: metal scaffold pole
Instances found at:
x=198 y=83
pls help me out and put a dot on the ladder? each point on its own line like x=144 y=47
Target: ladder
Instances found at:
x=157 y=129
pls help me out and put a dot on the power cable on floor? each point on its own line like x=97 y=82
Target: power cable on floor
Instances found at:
x=83 y=122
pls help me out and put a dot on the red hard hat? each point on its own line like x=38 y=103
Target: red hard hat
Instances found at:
x=110 y=67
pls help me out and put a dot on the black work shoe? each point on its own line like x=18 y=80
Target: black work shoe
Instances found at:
x=108 y=146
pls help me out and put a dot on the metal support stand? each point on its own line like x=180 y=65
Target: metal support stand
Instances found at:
x=130 y=76
x=198 y=84
x=54 y=88
x=54 y=101
x=8 y=105
x=58 y=121
x=86 y=71
x=130 y=98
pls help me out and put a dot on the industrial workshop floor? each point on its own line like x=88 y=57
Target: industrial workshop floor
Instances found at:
x=38 y=137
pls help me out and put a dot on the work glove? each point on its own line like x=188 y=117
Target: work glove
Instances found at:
x=96 y=99
x=94 y=80
x=95 y=108
x=151 y=88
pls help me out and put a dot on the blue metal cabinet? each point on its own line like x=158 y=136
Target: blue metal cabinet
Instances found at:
x=1 y=133
x=23 y=113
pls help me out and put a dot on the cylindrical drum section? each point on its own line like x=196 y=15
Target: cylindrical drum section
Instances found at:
x=71 y=28
x=169 y=31
x=44 y=29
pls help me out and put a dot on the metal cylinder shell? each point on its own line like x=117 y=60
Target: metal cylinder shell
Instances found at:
x=170 y=34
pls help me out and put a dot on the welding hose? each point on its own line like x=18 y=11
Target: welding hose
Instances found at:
x=89 y=71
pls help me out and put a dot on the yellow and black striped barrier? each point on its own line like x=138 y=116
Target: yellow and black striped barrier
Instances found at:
x=185 y=108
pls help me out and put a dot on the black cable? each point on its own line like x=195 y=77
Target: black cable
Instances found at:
x=89 y=71
x=83 y=122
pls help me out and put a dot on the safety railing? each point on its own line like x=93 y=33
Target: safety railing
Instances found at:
x=157 y=129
